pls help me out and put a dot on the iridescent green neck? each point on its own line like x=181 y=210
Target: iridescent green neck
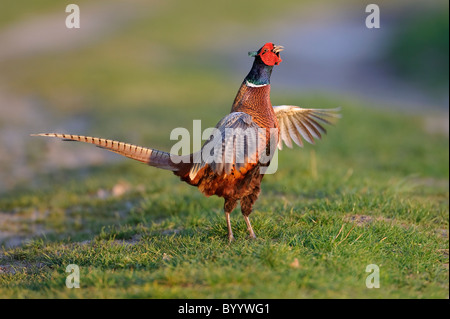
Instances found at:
x=259 y=74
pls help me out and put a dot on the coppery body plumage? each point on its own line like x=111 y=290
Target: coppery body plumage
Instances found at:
x=252 y=112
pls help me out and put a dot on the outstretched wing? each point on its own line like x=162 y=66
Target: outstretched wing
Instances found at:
x=236 y=141
x=296 y=123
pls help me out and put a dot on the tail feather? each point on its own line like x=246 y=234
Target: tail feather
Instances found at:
x=145 y=155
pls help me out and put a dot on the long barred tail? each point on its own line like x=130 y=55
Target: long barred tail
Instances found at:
x=145 y=155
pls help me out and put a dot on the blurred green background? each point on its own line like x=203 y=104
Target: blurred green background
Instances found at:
x=153 y=66
x=137 y=69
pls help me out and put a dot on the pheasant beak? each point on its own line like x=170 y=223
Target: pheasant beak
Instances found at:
x=277 y=49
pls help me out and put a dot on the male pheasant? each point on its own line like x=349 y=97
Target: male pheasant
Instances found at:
x=232 y=163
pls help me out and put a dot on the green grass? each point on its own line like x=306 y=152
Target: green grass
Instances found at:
x=381 y=202
x=379 y=195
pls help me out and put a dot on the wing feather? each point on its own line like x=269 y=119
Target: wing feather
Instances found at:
x=296 y=123
x=285 y=132
x=239 y=140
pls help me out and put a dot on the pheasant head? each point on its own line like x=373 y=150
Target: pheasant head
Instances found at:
x=269 y=54
x=265 y=59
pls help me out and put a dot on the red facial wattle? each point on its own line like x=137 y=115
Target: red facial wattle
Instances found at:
x=268 y=56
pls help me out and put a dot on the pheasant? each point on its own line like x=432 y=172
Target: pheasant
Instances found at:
x=232 y=162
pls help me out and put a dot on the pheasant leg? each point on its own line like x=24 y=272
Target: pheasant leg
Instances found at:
x=249 y=227
x=230 y=231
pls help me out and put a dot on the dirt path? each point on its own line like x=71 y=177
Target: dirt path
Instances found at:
x=47 y=33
